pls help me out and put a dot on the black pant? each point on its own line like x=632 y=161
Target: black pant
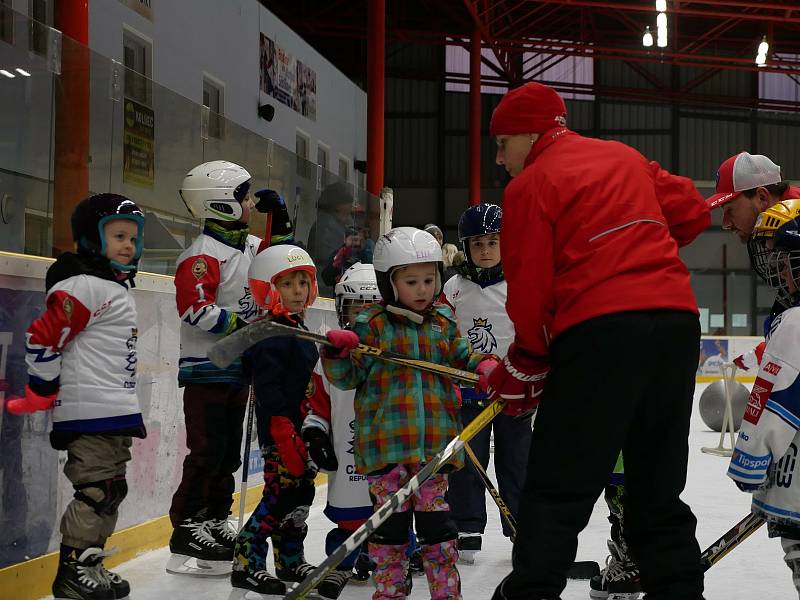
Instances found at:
x=466 y=493
x=214 y=414
x=618 y=382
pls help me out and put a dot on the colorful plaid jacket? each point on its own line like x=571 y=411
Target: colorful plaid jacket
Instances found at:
x=403 y=415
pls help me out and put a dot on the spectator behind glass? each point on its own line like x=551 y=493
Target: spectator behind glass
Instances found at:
x=334 y=215
x=355 y=248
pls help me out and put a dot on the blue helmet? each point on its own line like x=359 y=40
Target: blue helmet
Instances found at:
x=480 y=219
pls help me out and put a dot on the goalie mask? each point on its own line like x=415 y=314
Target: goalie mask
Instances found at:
x=403 y=246
x=271 y=264
x=759 y=245
x=783 y=266
x=216 y=190
x=357 y=287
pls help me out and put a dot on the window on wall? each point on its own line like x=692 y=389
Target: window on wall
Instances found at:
x=213 y=98
x=778 y=86
x=344 y=168
x=572 y=71
x=41 y=13
x=302 y=148
x=6 y=22
x=323 y=153
x=137 y=56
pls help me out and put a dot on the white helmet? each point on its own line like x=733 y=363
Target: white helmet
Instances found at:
x=270 y=264
x=404 y=246
x=215 y=190
x=357 y=287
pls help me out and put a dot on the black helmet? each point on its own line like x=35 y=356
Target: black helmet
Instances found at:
x=784 y=258
x=480 y=219
x=90 y=217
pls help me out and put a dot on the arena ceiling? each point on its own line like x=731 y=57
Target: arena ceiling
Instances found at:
x=526 y=37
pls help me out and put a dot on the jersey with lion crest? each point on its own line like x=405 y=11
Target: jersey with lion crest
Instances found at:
x=482 y=317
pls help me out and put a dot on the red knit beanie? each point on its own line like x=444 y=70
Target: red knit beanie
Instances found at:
x=532 y=108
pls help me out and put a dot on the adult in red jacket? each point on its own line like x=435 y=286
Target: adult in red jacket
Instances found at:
x=606 y=325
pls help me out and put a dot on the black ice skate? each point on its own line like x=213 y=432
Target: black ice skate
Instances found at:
x=259 y=582
x=82 y=577
x=415 y=562
x=296 y=573
x=196 y=552
x=469 y=544
x=223 y=533
x=363 y=568
x=619 y=580
x=121 y=588
x=334 y=582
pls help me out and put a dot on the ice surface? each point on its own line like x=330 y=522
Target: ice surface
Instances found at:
x=754 y=570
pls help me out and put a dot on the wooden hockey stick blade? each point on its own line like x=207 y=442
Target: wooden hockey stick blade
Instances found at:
x=730 y=539
x=229 y=348
x=360 y=535
x=505 y=512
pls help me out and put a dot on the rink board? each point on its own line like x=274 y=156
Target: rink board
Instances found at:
x=33 y=490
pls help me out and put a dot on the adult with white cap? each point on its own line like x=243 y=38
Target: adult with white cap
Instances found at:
x=748 y=184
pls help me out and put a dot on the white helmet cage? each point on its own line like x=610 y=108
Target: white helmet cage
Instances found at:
x=272 y=263
x=357 y=287
x=400 y=247
x=215 y=190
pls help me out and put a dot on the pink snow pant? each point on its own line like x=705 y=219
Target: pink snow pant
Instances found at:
x=436 y=534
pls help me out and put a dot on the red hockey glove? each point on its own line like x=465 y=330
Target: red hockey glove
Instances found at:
x=745 y=361
x=343 y=341
x=30 y=403
x=519 y=380
x=291 y=448
x=484 y=369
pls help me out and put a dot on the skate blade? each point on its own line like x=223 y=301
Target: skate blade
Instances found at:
x=180 y=564
x=624 y=596
x=242 y=594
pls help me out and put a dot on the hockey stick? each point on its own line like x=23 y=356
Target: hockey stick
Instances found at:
x=246 y=456
x=580 y=569
x=505 y=512
x=229 y=348
x=305 y=587
x=730 y=539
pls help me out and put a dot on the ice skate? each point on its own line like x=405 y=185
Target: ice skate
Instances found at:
x=223 y=532
x=255 y=585
x=196 y=552
x=334 y=582
x=363 y=568
x=82 y=577
x=121 y=588
x=296 y=573
x=619 y=580
x=469 y=544
x=415 y=563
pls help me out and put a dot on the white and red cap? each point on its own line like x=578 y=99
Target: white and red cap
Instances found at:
x=742 y=172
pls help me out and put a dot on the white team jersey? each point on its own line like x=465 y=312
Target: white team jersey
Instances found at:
x=766 y=450
x=211 y=285
x=86 y=340
x=346 y=488
x=481 y=314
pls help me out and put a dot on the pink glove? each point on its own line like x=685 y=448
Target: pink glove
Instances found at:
x=291 y=447
x=519 y=380
x=30 y=403
x=343 y=341
x=484 y=369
